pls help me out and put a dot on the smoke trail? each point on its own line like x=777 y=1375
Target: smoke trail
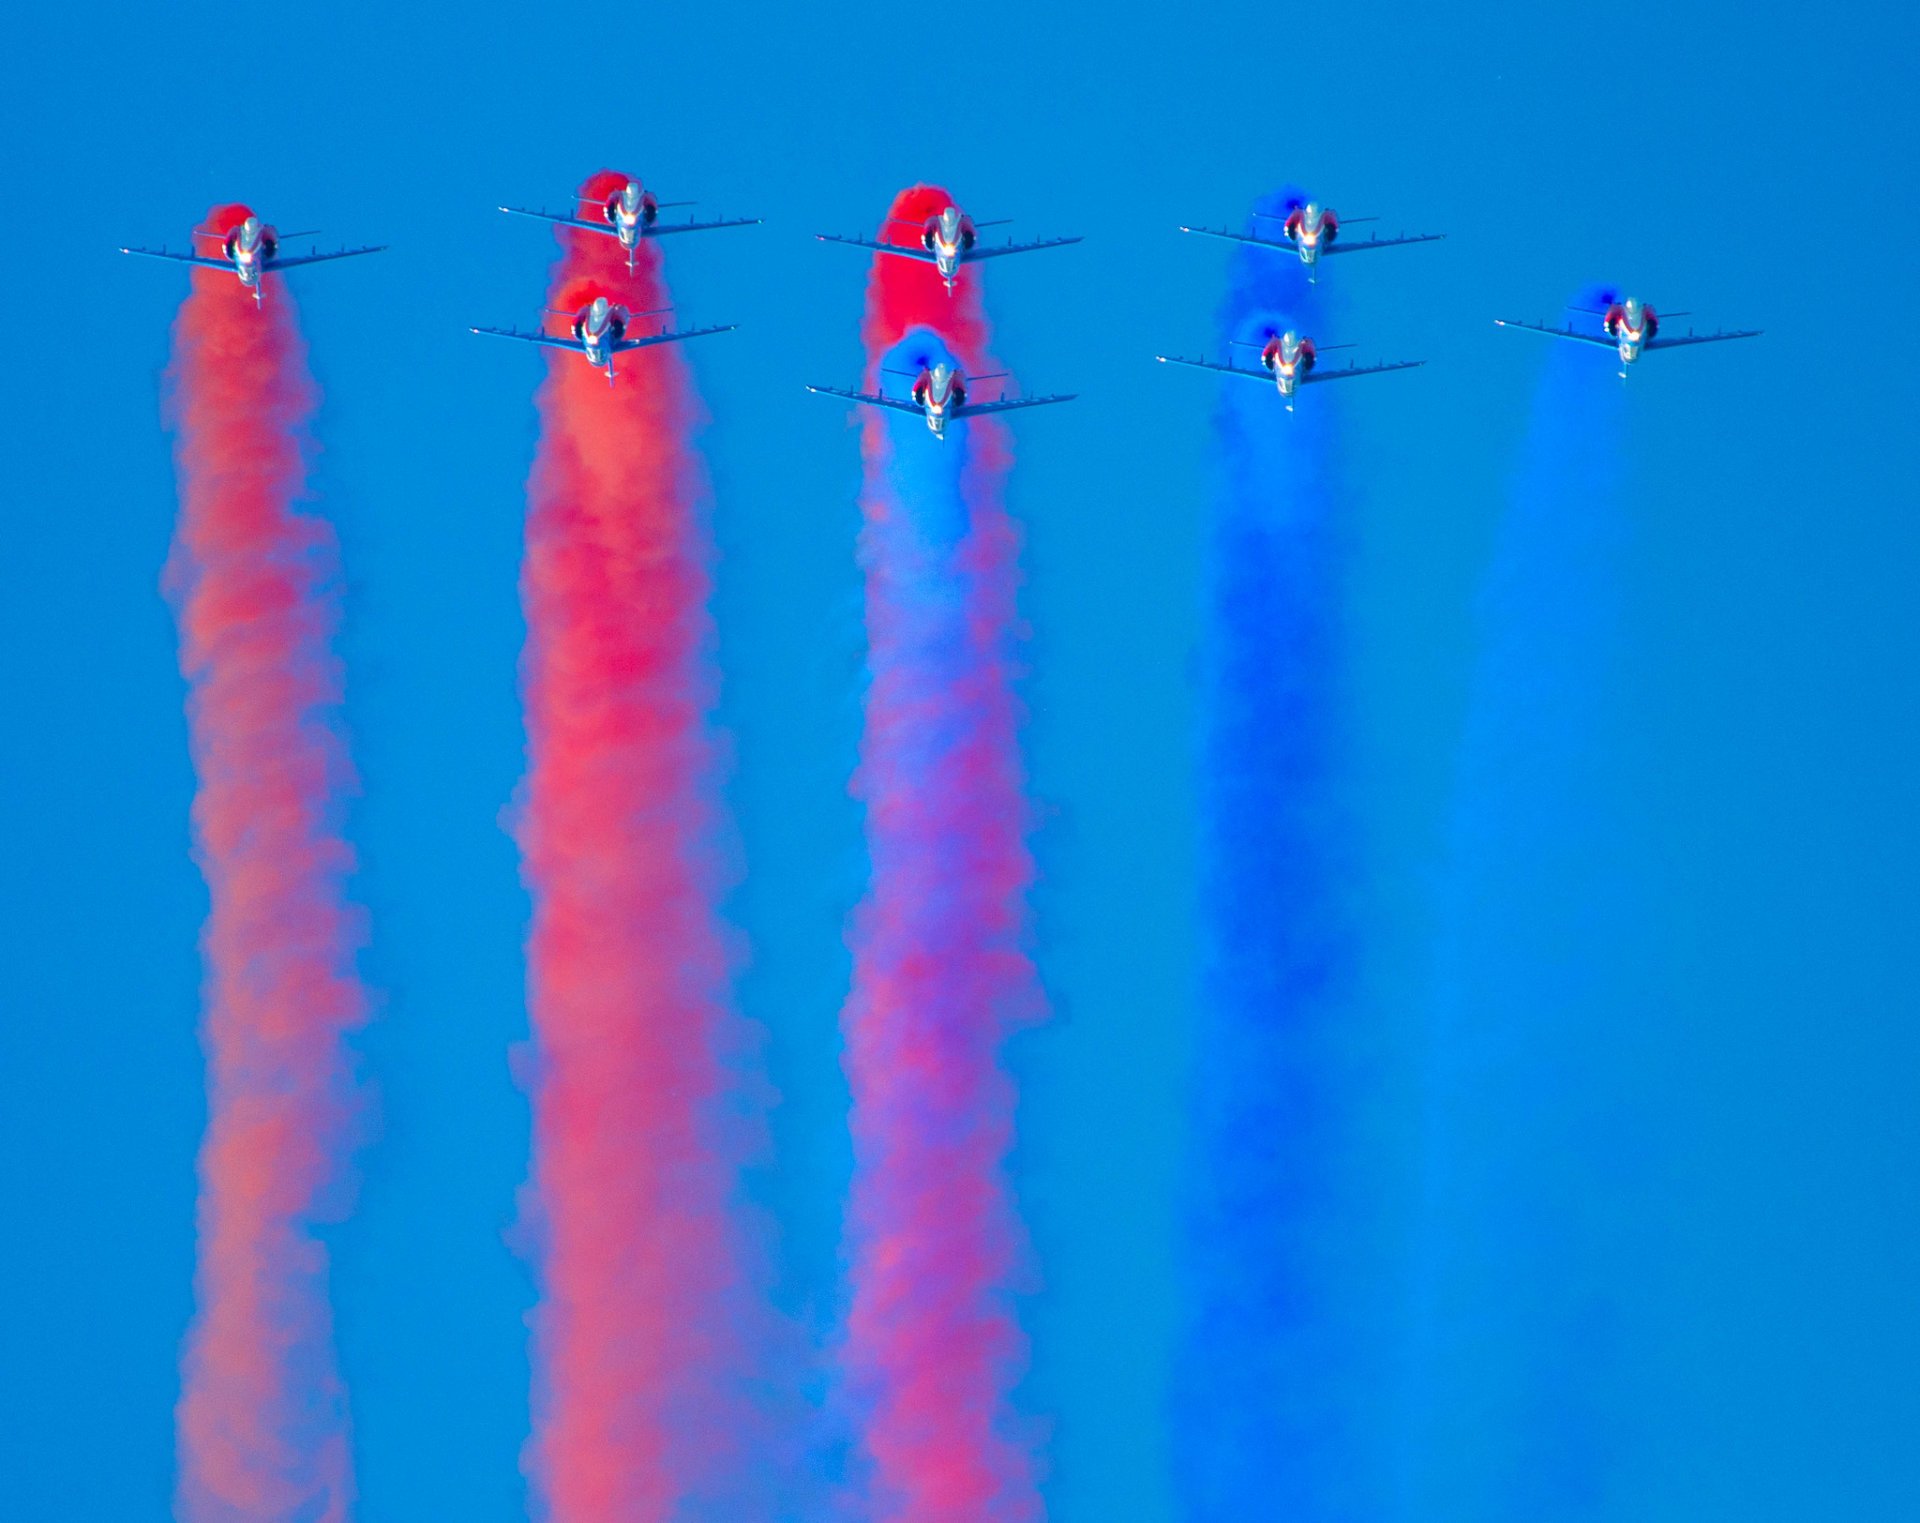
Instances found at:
x=262 y=1420
x=932 y=1347
x=1266 y=1419
x=646 y=1105
x=1514 y=1338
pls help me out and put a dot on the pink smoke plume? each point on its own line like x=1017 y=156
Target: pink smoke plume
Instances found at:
x=262 y=1419
x=646 y=1105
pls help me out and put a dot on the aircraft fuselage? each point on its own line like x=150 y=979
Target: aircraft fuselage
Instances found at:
x=1289 y=358
x=1630 y=324
x=1311 y=228
x=250 y=246
x=599 y=326
x=948 y=237
x=941 y=392
x=630 y=210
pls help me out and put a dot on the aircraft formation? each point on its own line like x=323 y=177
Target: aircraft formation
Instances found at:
x=939 y=393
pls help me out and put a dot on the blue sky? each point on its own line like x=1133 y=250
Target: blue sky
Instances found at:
x=1735 y=160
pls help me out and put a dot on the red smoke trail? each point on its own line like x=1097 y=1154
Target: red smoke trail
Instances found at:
x=641 y=1109
x=903 y=294
x=940 y=972
x=262 y=1418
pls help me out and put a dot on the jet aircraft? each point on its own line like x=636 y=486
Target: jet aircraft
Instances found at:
x=946 y=242
x=1629 y=328
x=1311 y=230
x=249 y=250
x=599 y=331
x=940 y=396
x=630 y=214
x=1288 y=362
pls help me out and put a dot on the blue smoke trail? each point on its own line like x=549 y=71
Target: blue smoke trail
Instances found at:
x=1512 y=1408
x=1265 y=1424
x=932 y=1346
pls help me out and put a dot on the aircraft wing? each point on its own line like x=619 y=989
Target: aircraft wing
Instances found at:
x=659 y=230
x=872 y=399
x=669 y=338
x=975 y=409
x=1265 y=376
x=563 y=219
x=535 y=338
x=1350 y=370
x=1266 y=243
x=1659 y=342
x=908 y=250
x=977 y=252
x=1566 y=332
x=199 y=259
x=278 y=262
x=1340 y=247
